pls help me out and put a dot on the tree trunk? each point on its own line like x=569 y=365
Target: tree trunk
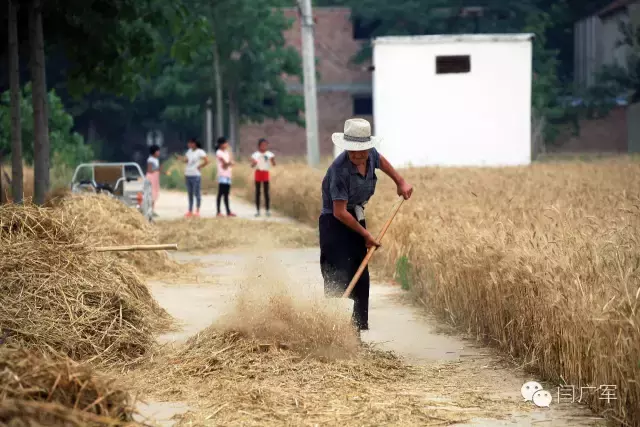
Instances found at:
x=234 y=138
x=218 y=83
x=41 y=152
x=16 y=127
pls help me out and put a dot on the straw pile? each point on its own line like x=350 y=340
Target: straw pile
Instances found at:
x=56 y=293
x=106 y=221
x=216 y=233
x=540 y=260
x=37 y=390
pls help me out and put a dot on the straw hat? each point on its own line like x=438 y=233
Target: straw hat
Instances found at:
x=356 y=136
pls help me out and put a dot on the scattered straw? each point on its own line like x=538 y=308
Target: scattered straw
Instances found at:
x=107 y=221
x=217 y=233
x=55 y=292
x=282 y=356
x=45 y=390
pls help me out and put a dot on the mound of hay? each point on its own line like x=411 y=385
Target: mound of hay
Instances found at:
x=40 y=390
x=55 y=292
x=216 y=233
x=106 y=221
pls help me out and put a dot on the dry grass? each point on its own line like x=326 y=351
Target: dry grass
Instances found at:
x=37 y=390
x=542 y=261
x=283 y=356
x=208 y=234
x=106 y=221
x=56 y=293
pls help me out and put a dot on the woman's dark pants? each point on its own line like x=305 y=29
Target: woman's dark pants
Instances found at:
x=341 y=253
x=223 y=193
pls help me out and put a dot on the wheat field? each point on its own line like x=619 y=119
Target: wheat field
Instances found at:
x=541 y=261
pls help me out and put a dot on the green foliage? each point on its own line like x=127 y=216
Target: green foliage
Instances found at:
x=68 y=146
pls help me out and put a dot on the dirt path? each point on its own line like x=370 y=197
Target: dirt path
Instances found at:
x=396 y=324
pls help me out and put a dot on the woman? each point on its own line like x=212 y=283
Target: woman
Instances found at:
x=195 y=158
x=348 y=184
x=262 y=160
x=153 y=175
x=225 y=163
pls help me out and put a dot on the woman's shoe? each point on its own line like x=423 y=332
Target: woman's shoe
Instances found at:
x=232 y=214
x=197 y=214
x=188 y=215
x=219 y=214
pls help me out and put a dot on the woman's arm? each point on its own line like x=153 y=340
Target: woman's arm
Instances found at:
x=341 y=214
x=404 y=188
x=273 y=161
x=204 y=163
x=149 y=167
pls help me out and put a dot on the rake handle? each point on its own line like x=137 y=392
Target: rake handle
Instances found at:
x=131 y=248
x=370 y=252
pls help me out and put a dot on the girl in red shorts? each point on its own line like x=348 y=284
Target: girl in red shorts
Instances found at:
x=262 y=160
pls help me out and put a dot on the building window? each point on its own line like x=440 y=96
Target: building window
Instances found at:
x=362 y=105
x=453 y=64
x=362 y=29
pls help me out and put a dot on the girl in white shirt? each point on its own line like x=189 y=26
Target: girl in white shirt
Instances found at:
x=195 y=158
x=262 y=160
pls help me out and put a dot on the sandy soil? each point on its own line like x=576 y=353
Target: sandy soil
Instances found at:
x=397 y=324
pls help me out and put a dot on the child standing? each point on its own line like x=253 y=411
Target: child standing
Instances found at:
x=153 y=174
x=194 y=160
x=262 y=160
x=225 y=163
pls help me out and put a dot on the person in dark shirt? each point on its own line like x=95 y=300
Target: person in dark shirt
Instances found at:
x=348 y=185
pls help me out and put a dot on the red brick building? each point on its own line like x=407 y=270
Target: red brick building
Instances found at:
x=344 y=88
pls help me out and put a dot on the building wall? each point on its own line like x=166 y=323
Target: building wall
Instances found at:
x=604 y=135
x=596 y=38
x=478 y=118
x=611 y=36
x=339 y=82
x=288 y=139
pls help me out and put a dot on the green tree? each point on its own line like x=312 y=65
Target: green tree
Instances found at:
x=66 y=143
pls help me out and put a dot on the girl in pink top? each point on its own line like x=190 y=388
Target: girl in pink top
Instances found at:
x=225 y=163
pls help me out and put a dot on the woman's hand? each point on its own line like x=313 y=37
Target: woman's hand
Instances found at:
x=370 y=242
x=405 y=189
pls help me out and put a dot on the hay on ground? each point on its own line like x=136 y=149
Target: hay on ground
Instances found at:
x=38 y=390
x=218 y=233
x=106 y=221
x=56 y=293
x=281 y=355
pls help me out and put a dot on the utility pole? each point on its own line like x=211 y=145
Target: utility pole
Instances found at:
x=219 y=128
x=310 y=94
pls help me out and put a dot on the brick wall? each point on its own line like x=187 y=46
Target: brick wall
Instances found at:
x=604 y=135
x=334 y=49
x=288 y=139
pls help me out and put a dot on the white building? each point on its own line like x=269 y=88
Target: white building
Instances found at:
x=454 y=100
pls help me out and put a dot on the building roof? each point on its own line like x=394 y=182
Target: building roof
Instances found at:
x=455 y=38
